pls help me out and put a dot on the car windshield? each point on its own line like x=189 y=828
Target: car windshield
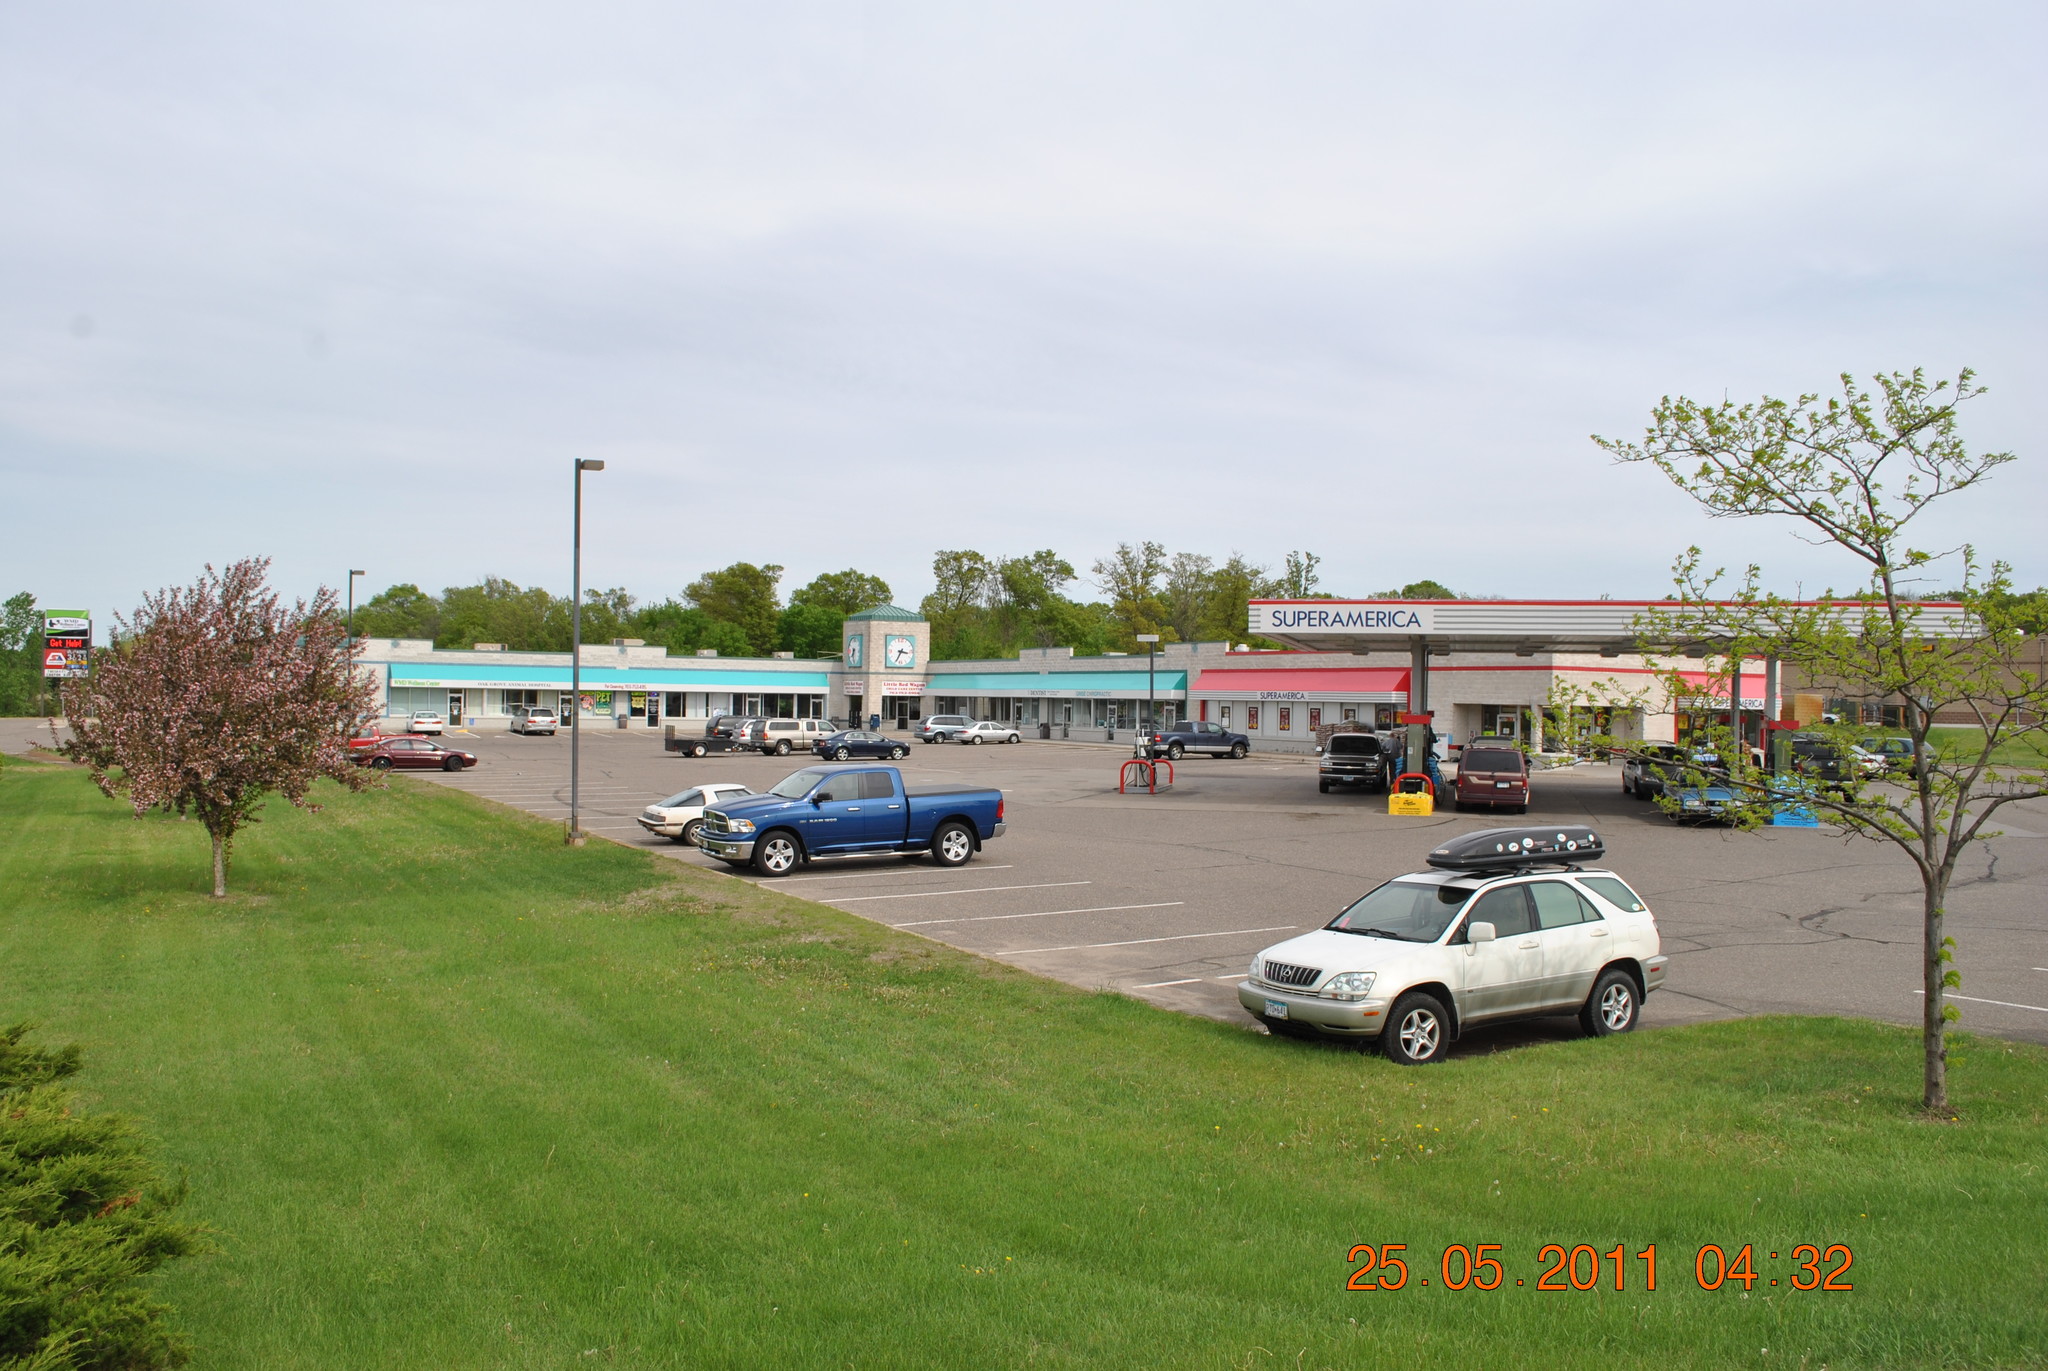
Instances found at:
x=797 y=786
x=1406 y=911
x=1355 y=744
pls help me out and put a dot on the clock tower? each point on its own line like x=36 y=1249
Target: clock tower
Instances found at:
x=885 y=660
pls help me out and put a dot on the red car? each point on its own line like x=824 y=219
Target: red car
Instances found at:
x=1492 y=774
x=413 y=752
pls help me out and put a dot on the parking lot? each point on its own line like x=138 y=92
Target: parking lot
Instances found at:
x=1167 y=897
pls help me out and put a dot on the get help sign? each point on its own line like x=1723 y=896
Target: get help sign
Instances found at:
x=67 y=643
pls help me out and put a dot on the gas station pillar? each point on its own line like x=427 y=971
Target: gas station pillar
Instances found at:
x=1418 y=703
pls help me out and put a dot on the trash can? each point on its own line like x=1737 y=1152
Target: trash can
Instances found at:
x=624 y=720
x=1045 y=731
x=1108 y=735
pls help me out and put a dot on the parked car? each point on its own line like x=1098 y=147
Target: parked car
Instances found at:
x=721 y=734
x=988 y=731
x=425 y=721
x=367 y=738
x=828 y=812
x=1372 y=760
x=1895 y=754
x=528 y=719
x=680 y=816
x=784 y=736
x=1507 y=923
x=860 y=742
x=1494 y=775
x=728 y=725
x=1646 y=767
x=941 y=728
x=415 y=754
x=1830 y=764
x=1194 y=735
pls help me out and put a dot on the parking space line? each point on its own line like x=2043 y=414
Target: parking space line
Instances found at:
x=1044 y=914
x=2002 y=1004
x=977 y=890
x=892 y=871
x=1161 y=985
x=1133 y=942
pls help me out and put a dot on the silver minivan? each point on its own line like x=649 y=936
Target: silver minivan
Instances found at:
x=533 y=719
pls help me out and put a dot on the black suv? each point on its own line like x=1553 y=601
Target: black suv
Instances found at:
x=1369 y=759
x=1647 y=770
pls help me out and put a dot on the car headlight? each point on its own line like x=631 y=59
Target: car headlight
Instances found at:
x=740 y=825
x=1352 y=985
x=1254 y=972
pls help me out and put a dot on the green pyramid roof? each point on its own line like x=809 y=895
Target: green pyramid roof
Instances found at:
x=893 y=613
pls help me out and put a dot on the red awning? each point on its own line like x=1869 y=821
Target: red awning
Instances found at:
x=1364 y=685
x=1707 y=683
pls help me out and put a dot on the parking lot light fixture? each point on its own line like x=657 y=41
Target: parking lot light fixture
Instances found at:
x=352 y=603
x=1150 y=640
x=583 y=464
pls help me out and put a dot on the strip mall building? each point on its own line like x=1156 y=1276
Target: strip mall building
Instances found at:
x=1489 y=667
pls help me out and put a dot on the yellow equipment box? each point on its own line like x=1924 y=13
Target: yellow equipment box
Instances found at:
x=1418 y=803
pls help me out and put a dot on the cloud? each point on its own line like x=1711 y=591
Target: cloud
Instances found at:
x=357 y=284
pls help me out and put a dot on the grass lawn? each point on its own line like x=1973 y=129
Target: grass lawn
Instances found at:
x=454 y=1095
x=1955 y=743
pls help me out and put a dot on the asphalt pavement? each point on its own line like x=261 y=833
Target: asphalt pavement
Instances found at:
x=1166 y=897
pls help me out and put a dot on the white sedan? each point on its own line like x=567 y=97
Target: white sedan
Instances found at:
x=988 y=731
x=1424 y=957
x=679 y=816
x=425 y=721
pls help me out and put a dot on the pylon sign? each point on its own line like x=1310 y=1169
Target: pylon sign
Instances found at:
x=67 y=643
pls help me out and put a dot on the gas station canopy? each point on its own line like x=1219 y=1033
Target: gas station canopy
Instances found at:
x=1607 y=627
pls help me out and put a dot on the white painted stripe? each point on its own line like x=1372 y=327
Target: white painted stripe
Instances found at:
x=892 y=871
x=976 y=890
x=1133 y=942
x=2002 y=1004
x=1161 y=985
x=1046 y=914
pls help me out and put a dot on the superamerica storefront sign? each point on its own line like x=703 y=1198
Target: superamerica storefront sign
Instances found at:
x=1340 y=618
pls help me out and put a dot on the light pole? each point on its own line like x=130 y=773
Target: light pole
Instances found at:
x=583 y=464
x=1150 y=640
x=352 y=604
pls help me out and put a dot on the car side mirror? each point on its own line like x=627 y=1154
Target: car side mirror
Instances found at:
x=1481 y=932
x=817 y=798
x=1319 y=752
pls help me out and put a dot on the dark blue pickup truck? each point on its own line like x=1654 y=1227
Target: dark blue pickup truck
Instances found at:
x=1194 y=735
x=850 y=811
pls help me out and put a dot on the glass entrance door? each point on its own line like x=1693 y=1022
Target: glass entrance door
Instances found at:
x=454 y=708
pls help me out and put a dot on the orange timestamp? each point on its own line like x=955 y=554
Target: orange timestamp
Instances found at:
x=1585 y=1267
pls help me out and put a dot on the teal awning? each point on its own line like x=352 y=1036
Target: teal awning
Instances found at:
x=511 y=676
x=1058 y=685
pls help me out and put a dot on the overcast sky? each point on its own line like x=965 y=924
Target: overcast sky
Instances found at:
x=840 y=284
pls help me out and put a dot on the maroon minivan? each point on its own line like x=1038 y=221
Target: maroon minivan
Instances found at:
x=1494 y=775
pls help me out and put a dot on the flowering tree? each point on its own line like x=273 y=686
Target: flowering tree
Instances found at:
x=1855 y=472
x=215 y=695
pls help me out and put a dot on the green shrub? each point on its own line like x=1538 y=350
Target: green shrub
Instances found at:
x=83 y=1215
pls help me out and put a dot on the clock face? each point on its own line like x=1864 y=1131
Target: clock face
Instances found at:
x=854 y=645
x=902 y=652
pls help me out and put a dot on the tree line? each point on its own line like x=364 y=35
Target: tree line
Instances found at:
x=982 y=606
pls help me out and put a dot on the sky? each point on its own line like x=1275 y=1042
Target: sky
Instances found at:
x=832 y=285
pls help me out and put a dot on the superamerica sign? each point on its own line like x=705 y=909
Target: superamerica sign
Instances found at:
x=1340 y=618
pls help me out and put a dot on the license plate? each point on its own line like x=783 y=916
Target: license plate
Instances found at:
x=1503 y=785
x=1276 y=1009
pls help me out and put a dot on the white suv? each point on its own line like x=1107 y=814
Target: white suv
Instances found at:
x=1507 y=925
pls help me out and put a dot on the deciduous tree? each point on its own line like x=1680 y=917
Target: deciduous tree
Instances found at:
x=745 y=596
x=1856 y=470
x=843 y=592
x=218 y=694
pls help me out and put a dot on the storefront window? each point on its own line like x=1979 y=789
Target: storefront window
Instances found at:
x=1251 y=717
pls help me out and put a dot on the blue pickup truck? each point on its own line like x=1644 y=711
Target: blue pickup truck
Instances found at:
x=850 y=811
